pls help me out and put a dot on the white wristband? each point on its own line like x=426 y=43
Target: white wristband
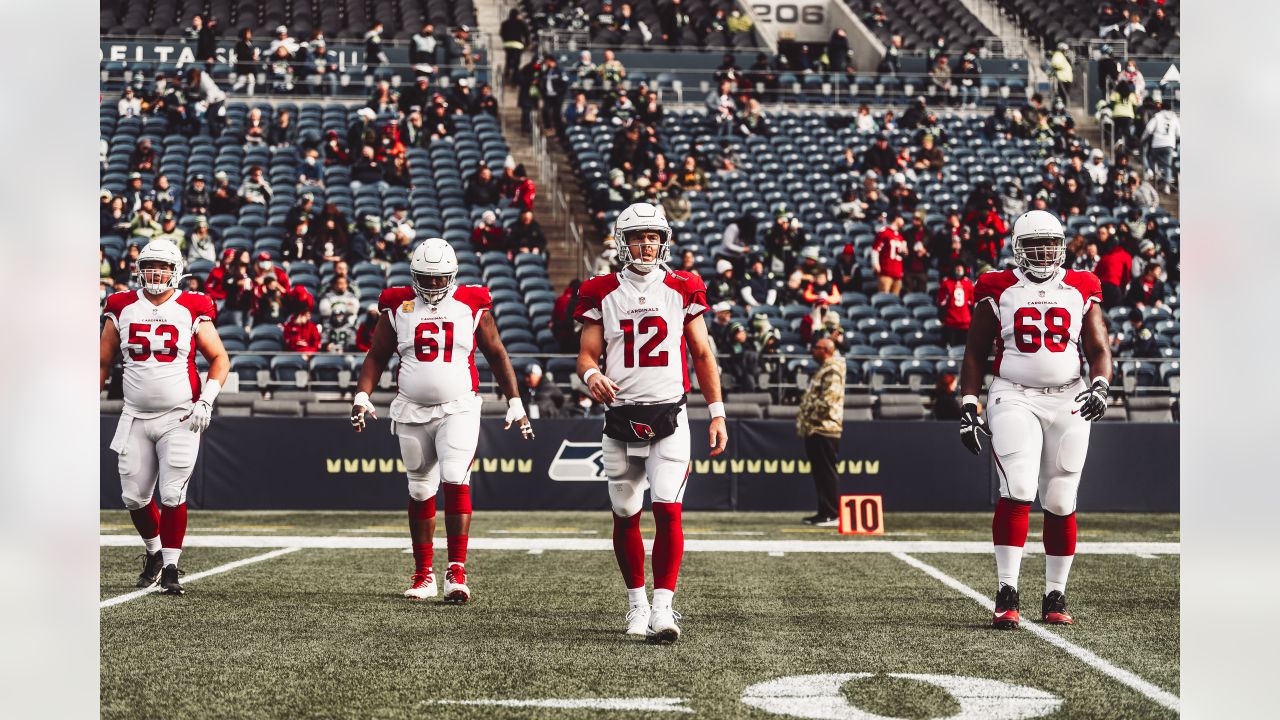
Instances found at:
x=969 y=400
x=210 y=392
x=716 y=409
x=361 y=398
x=1101 y=380
x=586 y=376
x=515 y=404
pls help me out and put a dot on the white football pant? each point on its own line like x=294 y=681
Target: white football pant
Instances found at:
x=1040 y=443
x=633 y=468
x=442 y=449
x=160 y=449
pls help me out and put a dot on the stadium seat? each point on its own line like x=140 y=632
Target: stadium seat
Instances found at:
x=289 y=370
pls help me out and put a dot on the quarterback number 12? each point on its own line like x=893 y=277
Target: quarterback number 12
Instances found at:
x=647 y=356
x=425 y=345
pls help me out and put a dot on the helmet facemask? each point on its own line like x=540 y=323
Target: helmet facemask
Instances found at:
x=639 y=263
x=153 y=280
x=429 y=288
x=1040 y=256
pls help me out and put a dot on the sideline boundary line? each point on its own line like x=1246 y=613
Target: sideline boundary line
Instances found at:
x=1125 y=677
x=690 y=545
x=119 y=599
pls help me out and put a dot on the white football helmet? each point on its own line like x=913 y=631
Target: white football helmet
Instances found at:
x=642 y=216
x=164 y=251
x=1039 y=259
x=433 y=258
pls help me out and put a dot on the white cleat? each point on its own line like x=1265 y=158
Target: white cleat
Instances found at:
x=455 y=584
x=638 y=620
x=662 y=625
x=422 y=587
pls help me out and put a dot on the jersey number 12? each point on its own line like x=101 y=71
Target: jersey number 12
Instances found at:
x=647 y=356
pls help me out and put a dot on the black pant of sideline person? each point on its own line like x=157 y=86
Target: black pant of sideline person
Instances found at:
x=821 y=450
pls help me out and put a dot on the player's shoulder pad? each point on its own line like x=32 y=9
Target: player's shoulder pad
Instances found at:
x=597 y=287
x=117 y=302
x=1086 y=282
x=991 y=284
x=393 y=297
x=198 y=303
x=477 y=297
x=689 y=282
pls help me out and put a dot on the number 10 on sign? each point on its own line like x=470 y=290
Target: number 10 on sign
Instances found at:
x=861 y=515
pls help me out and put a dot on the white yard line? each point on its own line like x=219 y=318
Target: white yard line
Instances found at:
x=196 y=576
x=1159 y=696
x=636 y=704
x=690 y=545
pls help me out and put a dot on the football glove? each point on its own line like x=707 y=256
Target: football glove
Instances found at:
x=201 y=415
x=359 y=406
x=970 y=426
x=516 y=414
x=1093 y=402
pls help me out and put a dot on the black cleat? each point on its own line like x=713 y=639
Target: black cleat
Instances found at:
x=1006 y=614
x=151 y=566
x=1053 y=609
x=169 y=581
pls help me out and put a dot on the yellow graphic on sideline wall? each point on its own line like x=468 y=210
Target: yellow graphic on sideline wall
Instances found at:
x=384 y=465
x=524 y=466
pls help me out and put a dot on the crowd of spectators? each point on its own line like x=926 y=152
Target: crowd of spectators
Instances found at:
x=648 y=23
x=252 y=288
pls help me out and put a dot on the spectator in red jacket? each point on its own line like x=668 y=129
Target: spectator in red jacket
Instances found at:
x=988 y=228
x=488 y=234
x=300 y=334
x=562 y=325
x=1113 y=269
x=821 y=291
x=955 y=303
x=1148 y=290
x=887 y=253
x=214 y=284
x=364 y=333
x=265 y=267
x=524 y=191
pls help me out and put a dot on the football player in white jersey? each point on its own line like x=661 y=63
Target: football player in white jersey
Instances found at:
x=1038 y=317
x=435 y=327
x=165 y=407
x=638 y=324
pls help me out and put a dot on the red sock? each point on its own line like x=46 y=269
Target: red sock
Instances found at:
x=1009 y=526
x=173 y=526
x=457 y=501
x=1059 y=534
x=628 y=547
x=146 y=519
x=668 y=545
x=420 y=511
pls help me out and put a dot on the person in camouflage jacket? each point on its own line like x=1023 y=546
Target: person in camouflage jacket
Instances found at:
x=820 y=422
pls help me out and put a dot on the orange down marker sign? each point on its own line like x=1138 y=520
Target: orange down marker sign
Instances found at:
x=861 y=515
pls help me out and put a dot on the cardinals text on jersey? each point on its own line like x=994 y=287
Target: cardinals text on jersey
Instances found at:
x=158 y=343
x=1038 y=339
x=436 y=343
x=644 y=319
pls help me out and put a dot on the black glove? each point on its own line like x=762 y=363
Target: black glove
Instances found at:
x=1093 y=402
x=970 y=426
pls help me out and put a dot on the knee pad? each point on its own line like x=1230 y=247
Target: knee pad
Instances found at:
x=626 y=497
x=457 y=499
x=423 y=486
x=134 y=501
x=1059 y=500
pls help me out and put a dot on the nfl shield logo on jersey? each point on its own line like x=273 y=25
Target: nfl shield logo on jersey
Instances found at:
x=642 y=431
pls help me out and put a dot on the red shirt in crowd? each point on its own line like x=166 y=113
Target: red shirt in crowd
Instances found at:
x=301 y=336
x=891 y=248
x=955 y=298
x=1114 y=267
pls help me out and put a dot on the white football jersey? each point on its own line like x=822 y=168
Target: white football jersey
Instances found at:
x=644 y=319
x=436 y=343
x=1038 y=344
x=158 y=343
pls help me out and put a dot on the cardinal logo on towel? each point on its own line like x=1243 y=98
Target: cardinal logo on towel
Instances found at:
x=642 y=431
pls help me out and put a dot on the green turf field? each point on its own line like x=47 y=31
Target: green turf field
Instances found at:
x=322 y=632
